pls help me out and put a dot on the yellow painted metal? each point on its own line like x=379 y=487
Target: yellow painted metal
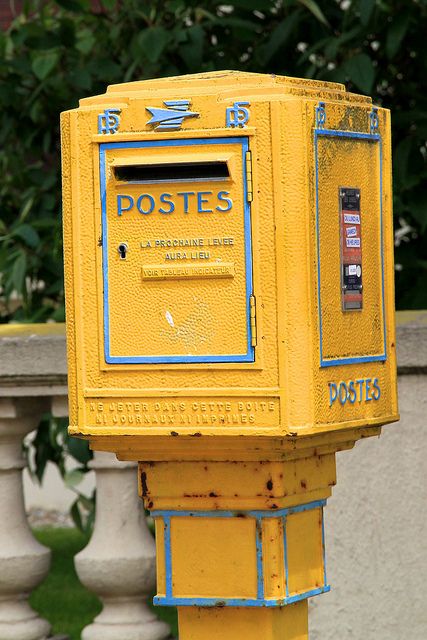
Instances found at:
x=288 y=623
x=205 y=328
x=162 y=306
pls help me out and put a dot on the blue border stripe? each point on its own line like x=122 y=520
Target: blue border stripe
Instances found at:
x=369 y=137
x=259 y=559
x=338 y=133
x=249 y=356
x=102 y=172
x=272 y=513
x=248 y=251
x=168 y=555
x=238 y=602
x=260 y=600
x=336 y=361
x=177 y=142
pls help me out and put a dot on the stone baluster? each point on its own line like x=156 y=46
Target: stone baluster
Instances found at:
x=119 y=562
x=24 y=562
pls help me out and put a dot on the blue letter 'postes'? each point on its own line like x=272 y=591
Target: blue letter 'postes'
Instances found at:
x=164 y=199
x=360 y=390
x=222 y=197
x=179 y=202
x=151 y=203
x=120 y=204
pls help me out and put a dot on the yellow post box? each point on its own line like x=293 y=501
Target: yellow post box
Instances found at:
x=230 y=317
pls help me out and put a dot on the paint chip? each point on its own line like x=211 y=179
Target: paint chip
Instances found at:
x=169 y=318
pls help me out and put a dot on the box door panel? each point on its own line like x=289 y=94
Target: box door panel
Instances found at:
x=177 y=257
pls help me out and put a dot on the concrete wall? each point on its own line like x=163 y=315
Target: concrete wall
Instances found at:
x=376 y=532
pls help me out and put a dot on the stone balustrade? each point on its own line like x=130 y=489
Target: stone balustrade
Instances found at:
x=375 y=522
x=119 y=562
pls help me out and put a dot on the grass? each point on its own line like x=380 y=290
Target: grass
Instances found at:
x=61 y=598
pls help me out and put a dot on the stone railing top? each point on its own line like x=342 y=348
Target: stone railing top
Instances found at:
x=34 y=355
x=411 y=338
x=33 y=359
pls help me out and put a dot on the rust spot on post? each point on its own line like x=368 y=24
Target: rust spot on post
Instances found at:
x=144 y=484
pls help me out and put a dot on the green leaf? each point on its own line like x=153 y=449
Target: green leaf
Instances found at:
x=109 y=4
x=361 y=72
x=401 y=157
x=87 y=503
x=79 y=449
x=237 y=23
x=251 y=5
x=90 y=520
x=278 y=38
x=43 y=64
x=59 y=314
x=28 y=234
x=152 y=42
x=85 y=41
x=49 y=180
x=76 y=516
x=192 y=51
x=18 y=272
x=334 y=45
x=366 y=7
x=315 y=10
x=73 y=478
x=80 y=78
x=396 y=33
x=70 y=5
x=26 y=208
x=418 y=208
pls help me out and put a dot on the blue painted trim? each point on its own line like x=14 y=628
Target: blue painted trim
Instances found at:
x=259 y=601
x=176 y=359
x=102 y=179
x=338 y=133
x=238 y=602
x=369 y=137
x=337 y=361
x=249 y=356
x=168 y=555
x=285 y=555
x=271 y=513
x=259 y=559
x=176 y=142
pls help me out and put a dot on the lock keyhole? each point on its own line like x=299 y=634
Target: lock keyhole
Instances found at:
x=122 y=249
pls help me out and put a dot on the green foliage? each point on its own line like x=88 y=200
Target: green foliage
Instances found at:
x=57 y=52
x=51 y=443
x=62 y=599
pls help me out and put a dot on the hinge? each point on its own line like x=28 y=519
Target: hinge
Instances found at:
x=252 y=316
x=249 y=187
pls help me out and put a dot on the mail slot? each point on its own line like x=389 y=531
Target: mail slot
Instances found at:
x=230 y=323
